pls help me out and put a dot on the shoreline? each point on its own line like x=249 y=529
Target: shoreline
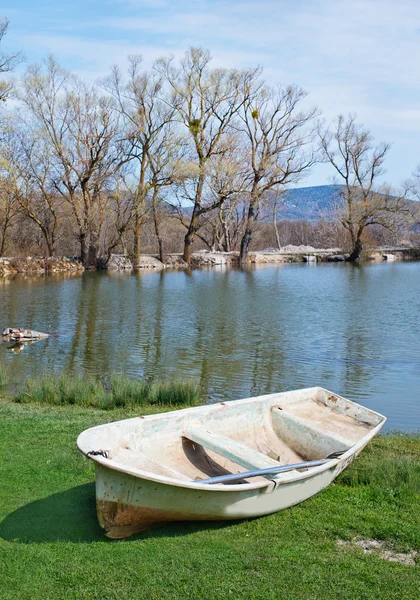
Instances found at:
x=10 y=266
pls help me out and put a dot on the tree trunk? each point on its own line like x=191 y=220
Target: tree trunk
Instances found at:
x=141 y=194
x=247 y=237
x=8 y=218
x=156 y=223
x=137 y=239
x=85 y=237
x=245 y=244
x=92 y=258
x=189 y=236
x=160 y=243
x=226 y=245
x=193 y=226
x=50 y=247
x=3 y=236
x=276 y=229
x=356 y=252
x=83 y=248
x=89 y=243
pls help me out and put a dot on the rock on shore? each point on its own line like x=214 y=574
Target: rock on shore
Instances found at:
x=119 y=262
x=149 y=262
x=29 y=265
x=212 y=259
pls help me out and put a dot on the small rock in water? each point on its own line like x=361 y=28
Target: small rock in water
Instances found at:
x=17 y=333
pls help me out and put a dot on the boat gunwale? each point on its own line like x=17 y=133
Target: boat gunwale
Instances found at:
x=281 y=479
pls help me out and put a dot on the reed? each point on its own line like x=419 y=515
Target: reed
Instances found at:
x=125 y=391
x=4 y=377
x=174 y=393
x=118 y=392
x=62 y=389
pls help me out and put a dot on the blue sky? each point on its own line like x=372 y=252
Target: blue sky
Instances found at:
x=359 y=56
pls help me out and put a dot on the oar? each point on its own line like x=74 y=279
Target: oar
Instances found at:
x=271 y=470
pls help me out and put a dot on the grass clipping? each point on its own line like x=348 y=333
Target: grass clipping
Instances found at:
x=118 y=392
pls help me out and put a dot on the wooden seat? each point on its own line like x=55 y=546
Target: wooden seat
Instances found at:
x=236 y=452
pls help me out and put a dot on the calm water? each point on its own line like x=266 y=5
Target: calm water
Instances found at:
x=354 y=330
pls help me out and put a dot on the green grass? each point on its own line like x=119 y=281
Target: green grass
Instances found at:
x=51 y=546
x=4 y=376
x=120 y=391
x=396 y=470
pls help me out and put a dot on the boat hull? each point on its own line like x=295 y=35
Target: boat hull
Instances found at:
x=127 y=505
x=158 y=469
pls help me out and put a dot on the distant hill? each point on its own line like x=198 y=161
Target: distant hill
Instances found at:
x=313 y=203
x=310 y=203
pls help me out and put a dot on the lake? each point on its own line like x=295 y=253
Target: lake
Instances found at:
x=352 y=329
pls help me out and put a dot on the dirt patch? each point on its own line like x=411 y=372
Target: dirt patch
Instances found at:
x=380 y=548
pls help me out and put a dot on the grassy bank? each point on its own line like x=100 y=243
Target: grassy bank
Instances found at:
x=117 y=391
x=3 y=376
x=51 y=546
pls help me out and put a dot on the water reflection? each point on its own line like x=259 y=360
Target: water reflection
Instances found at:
x=238 y=333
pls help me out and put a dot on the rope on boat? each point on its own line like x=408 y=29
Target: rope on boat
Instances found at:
x=103 y=453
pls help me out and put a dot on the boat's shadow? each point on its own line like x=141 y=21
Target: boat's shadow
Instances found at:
x=70 y=516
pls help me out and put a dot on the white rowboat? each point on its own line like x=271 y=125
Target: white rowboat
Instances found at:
x=181 y=465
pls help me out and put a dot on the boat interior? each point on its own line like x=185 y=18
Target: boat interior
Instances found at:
x=234 y=437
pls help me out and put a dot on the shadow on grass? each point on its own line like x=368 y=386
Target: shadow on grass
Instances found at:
x=66 y=516
x=70 y=516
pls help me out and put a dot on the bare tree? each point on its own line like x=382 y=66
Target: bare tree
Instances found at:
x=350 y=149
x=279 y=145
x=165 y=157
x=146 y=119
x=225 y=186
x=276 y=201
x=413 y=184
x=8 y=211
x=27 y=158
x=81 y=128
x=206 y=101
x=232 y=218
x=118 y=203
x=412 y=187
x=8 y=63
